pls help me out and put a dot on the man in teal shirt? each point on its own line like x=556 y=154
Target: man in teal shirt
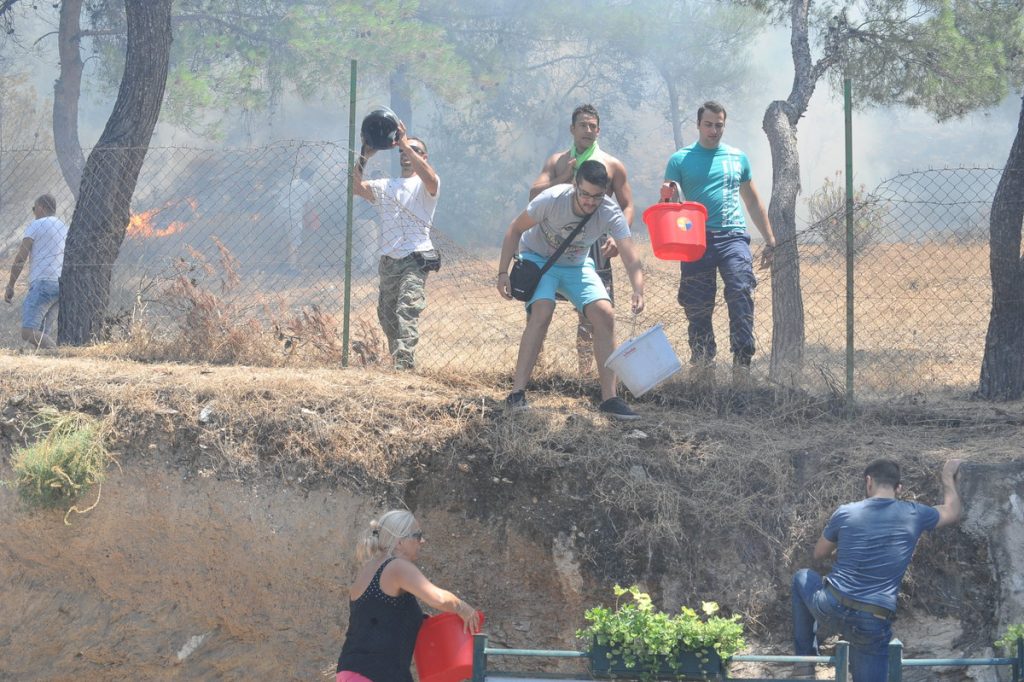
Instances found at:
x=718 y=176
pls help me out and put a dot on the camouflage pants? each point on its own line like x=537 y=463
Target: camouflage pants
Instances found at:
x=401 y=300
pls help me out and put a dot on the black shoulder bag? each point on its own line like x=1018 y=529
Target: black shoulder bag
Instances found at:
x=525 y=275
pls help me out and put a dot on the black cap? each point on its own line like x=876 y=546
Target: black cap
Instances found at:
x=379 y=128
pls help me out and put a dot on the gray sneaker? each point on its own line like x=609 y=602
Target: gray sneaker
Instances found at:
x=616 y=408
x=516 y=401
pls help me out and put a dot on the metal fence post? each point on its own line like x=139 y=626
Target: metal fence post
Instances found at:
x=842 y=661
x=1018 y=664
x=895 y=661
x=479 y=657
x=848 y=116
x=347 y=314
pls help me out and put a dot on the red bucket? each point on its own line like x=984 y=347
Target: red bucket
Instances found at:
x=677 y=230
x=444 y=653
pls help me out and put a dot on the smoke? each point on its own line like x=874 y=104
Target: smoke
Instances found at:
x=476 y=205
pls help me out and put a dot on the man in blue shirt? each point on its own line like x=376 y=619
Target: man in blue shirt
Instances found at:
x=718 y=176
x=873 y=541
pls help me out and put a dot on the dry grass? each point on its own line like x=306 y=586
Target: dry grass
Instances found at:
x=310 y=423
x=921 y=316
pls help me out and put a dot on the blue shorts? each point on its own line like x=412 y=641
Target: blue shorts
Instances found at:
x=581 y=285
x=40 y=304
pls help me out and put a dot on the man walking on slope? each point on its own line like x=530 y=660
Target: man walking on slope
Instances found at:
x=44 y=245
x=536 y=234
x=718 y=176
x=873 y=541
x=560 y=169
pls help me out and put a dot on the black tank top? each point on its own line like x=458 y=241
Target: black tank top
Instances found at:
x=381 y=633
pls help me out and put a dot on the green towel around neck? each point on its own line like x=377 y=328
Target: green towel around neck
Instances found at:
x=580 y=158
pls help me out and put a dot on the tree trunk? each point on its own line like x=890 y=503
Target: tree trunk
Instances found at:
x=66 y=93
x=1002 y=368
x=401 y=104
x=673 y=109
x=108 y=179
x=780 y=121
x=787 y=299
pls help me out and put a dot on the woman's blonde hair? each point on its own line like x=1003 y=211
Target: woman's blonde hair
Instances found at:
x=385 y=533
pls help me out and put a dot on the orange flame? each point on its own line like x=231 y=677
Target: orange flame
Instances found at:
x=140 y=225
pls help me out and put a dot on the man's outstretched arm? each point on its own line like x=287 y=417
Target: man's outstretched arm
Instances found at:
x=951 y=507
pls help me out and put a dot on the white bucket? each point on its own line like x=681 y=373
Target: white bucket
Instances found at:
x=644 y=362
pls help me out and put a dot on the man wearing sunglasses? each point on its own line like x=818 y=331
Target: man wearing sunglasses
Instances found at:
x=537 y=234
x=560 y=168
x=44 y=245
x=405 y=207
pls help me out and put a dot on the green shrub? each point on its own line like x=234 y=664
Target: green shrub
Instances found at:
x=65 y=462
x=1010 y=637
x=827 y=207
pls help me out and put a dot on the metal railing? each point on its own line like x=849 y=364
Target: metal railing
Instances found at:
x=897 y=663
x=839 y=660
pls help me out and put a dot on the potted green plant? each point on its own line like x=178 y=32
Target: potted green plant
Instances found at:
x=634 y=640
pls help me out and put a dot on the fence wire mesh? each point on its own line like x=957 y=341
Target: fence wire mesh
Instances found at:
x=239 y=256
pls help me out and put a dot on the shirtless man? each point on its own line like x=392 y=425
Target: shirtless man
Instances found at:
x=560 y=169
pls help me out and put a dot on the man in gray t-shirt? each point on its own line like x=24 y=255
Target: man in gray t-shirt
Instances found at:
x=536 y=234
x=560 y=168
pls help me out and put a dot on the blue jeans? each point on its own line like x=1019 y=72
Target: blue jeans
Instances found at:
x=729 y=254
x=40 y=305
x=817 y=615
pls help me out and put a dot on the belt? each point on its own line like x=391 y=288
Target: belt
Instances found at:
x=874 y=609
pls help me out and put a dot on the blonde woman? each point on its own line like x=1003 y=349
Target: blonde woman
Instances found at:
x=384 y=616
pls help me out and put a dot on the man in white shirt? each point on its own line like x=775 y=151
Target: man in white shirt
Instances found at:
x=302 y=215
x=44 y=245
x=405 y=206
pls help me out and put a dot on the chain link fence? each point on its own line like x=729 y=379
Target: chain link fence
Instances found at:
x=240 y=256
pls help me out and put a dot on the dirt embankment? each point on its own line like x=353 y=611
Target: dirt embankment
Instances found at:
x=221 y=546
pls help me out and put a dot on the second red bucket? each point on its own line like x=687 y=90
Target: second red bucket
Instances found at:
x=677 y=230
x=444 y=653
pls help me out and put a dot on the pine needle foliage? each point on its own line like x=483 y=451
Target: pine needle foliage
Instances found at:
x=63 y=464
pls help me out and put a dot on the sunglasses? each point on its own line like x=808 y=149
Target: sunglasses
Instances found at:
x=421 y=152
x=418 y=536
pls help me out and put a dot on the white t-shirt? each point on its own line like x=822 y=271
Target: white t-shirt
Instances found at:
x=406 y=211
x=47 y=235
